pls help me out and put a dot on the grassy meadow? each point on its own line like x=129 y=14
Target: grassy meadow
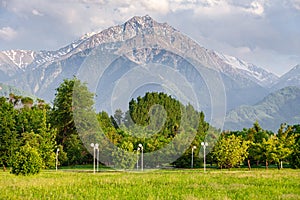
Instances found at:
x=159 y=184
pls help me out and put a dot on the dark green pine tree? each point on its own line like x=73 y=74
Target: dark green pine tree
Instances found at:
x=73 y=98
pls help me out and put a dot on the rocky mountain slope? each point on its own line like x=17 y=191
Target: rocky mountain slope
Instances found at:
x=291 y=78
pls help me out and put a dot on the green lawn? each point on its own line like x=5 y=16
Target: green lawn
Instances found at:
x=159 y=184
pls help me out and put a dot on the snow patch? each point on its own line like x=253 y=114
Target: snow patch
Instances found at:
x=20 y=58
x=234 y=62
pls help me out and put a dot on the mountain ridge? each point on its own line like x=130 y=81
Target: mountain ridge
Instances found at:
x=136 y=25
x=139 y=40
x=282 y=106
x=291 y=78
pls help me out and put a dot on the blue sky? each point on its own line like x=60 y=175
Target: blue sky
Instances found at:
x=263 y=32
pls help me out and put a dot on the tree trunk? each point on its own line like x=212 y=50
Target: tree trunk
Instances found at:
x=266 y=164
x=249 y=164
x=4 y=168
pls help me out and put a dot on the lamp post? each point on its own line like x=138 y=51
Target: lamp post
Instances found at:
x=97 y=153
x=142 y=156
x=56 y=160
x=95 y=146
x=192 y=163
x=137 y=158
x=204 y=144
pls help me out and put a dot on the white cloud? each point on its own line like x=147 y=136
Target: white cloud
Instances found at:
x=214 y=2
x=36 y=12
x=296 y=4
x=142 y=7
x=213 y=8
x=161 y=6
x=178 y=5
x=126 y=9
x=7 y=33
x=242 y=25
x=72 y=16
x=255 y=8
x=220 y=8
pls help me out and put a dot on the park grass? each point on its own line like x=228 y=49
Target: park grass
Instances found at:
x=158 y=184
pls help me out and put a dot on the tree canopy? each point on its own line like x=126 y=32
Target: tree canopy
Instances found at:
x=35 y=129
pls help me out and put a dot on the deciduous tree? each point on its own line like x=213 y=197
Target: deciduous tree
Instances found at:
x=230 y=151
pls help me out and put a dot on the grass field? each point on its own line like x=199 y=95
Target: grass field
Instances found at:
x=159 y=184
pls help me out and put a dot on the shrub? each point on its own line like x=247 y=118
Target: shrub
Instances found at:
x=27 y=161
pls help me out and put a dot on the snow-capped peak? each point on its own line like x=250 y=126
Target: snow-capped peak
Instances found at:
x=260 y=75
x=21 y=58
x=144 y=21
x=233 y=61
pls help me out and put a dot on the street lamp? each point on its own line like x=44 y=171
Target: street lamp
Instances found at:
x=192 y=163
x=95 y=146
x=204 y=144
x=137 y=158
x=56 y=160
x=97 y=152
x=142 y=156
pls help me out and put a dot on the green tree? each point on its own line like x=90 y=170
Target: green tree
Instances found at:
x=230 y=151
x=118 y=116
x=25 y=122
x=73 y=97
x=9 y=139
x=35 y=131
x=285 y=143
x=62 y=111
x=268 y=150
x=75 y=150
x=255 y=136
x=140 y=111
x=154 y=120
x=47 y=144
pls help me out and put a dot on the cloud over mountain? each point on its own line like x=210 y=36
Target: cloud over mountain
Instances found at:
x=268 y=30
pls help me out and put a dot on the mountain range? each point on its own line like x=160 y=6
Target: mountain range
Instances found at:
x=141 y=41
x=282 y=106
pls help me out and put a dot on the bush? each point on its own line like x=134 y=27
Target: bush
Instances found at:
x=27 y=161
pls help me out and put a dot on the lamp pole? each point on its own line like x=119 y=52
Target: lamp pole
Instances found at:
x=142 y=156
x=97 y=151
x=192 y=163
x=95 y=146
x=204 y=144
x=137 y=158
x=56 y=160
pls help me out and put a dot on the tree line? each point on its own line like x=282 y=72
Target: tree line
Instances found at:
x=255 y=145
x=34 y=129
